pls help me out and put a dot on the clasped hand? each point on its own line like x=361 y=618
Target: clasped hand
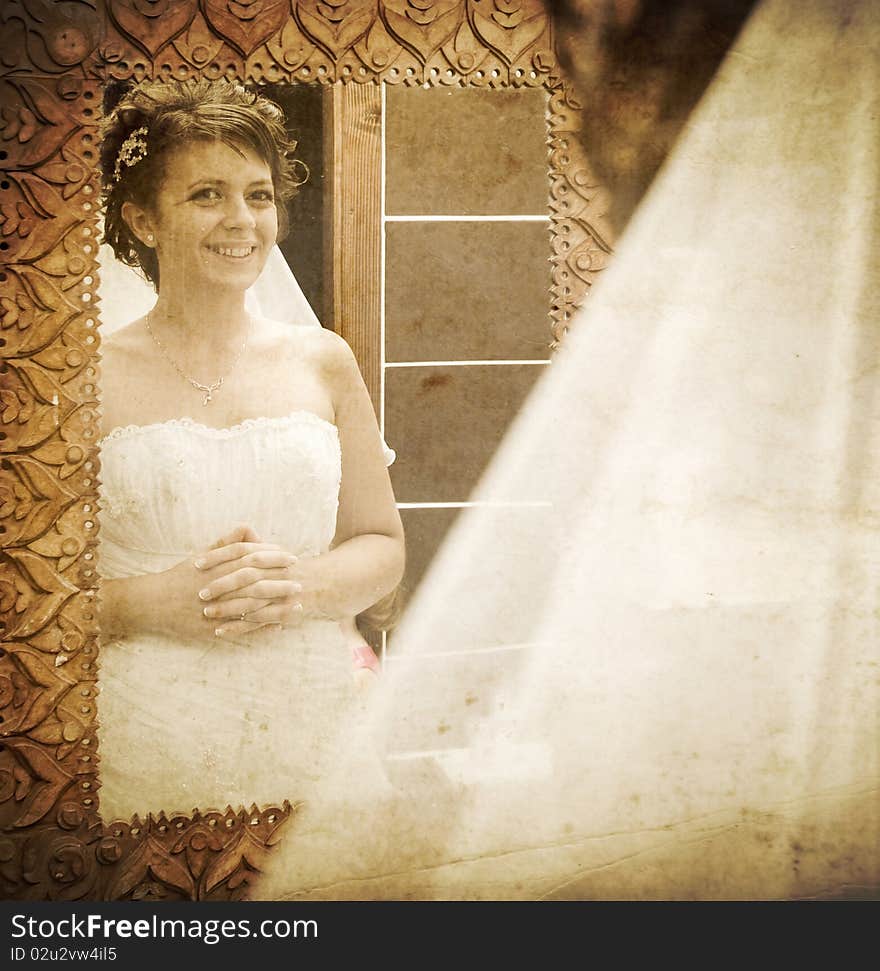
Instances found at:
x=247 y=586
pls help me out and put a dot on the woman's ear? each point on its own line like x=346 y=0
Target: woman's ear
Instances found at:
x=139 y=222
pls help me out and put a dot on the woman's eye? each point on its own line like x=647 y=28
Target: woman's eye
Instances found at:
x=207 y=195
x=263 y=195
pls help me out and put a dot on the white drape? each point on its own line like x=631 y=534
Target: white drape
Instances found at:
x=650 y=665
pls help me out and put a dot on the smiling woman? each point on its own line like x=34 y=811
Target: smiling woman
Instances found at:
x=232 y=545
x=213 y=205
x=211 y=227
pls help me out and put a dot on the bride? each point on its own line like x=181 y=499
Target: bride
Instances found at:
x=246 y=505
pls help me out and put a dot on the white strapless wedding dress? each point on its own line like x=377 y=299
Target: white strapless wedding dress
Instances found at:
x=211 y=723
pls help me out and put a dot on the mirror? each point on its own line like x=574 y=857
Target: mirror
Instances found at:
x=53 y=176
x=182 y=714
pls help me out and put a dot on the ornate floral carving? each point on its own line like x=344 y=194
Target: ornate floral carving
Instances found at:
x=151 y=24
x=63 y=862
x=46 y=37
x=213 y=856
x=46 y=667
x=582 y=236
x=40 y=591
x=43 y=406
x=508 y=27
x=32 y=497
x=292 y=48
x=422 y=25
x=36 y=117
x=209 y=856
x=199 y=44
x=32 y=780
x=32 y=315
x=246 y=23
x=38 y=688
x=465 y=52
x=335 y=25
x=26 y=203
x=481 y=42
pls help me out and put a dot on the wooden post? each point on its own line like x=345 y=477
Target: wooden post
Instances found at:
x=353 y=242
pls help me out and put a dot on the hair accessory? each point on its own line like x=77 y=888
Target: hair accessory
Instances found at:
x=132 y=150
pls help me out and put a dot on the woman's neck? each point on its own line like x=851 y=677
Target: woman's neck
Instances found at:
x=202 y=326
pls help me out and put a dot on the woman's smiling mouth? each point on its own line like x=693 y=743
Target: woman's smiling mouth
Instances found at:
x=238 y=252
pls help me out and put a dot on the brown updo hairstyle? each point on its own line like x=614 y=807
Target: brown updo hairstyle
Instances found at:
x=175 y=113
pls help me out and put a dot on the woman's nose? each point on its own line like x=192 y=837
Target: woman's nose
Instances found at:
x=239 y=215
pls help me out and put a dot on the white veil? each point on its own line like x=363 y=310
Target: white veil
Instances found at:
x=647 y=662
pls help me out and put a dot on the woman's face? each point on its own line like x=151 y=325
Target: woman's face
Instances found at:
x=214 y=217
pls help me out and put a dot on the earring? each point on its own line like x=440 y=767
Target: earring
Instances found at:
x=150 y=238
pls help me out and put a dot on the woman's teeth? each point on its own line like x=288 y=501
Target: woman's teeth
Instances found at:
x=239 y=251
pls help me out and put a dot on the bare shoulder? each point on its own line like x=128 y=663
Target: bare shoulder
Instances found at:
x=322 y=349
x=335 y=354
x=128 y=341
x=123 y=356
x=339 y=367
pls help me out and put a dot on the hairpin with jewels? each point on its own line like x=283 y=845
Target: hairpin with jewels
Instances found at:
x=132 y=150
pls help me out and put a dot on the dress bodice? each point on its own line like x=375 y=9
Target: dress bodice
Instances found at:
x=173 y=488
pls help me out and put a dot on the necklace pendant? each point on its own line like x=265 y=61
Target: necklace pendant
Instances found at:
x=208 y=389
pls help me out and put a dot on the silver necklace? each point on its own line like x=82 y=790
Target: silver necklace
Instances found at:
x=206 y=389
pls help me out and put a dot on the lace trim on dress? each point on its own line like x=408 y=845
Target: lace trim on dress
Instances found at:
x=130 y=431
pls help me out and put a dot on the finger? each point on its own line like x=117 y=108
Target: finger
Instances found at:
x=285 y=615
x=246 y=610
x=239 y=583
x=232 y=551
x=279 y=565
x=287 y=612
x=242 y=533
x=269 y=559
x=274 y=589
x=265 y=588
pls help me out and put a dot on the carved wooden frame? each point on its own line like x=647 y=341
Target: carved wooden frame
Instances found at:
x=54 y=57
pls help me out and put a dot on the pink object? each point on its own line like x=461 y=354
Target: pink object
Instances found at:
x=365 y=657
